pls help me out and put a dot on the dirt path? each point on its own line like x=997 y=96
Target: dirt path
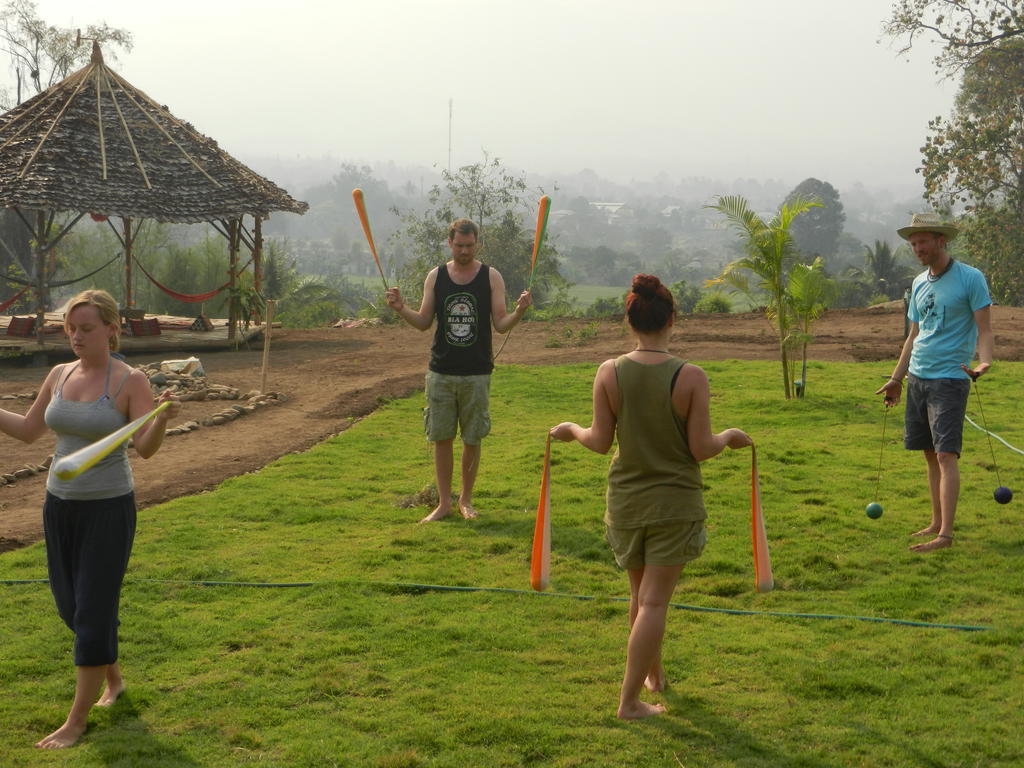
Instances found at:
x=332 y=376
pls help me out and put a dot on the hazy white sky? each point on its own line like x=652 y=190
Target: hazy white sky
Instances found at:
x=723 y=88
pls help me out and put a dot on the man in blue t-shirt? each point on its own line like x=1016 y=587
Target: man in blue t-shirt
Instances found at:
x=950 y=314
x=467 y=297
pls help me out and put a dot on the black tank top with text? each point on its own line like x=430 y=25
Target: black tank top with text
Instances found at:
x=462 y=339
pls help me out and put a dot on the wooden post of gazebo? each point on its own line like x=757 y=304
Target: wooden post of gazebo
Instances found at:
x=129 y=242
x=257 y=254
x=234 y=233
x=42 y=297
x=257 y=259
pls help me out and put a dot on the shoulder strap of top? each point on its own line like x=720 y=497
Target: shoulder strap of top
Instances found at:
x=672 y=386
x=106 y=383
x=124 y=380
x=70 y=368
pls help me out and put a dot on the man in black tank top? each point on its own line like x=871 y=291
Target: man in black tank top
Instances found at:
x=467 y=297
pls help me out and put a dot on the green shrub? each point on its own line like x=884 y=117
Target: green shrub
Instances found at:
x=713 y=303
x=607 y=306
x=686 y=296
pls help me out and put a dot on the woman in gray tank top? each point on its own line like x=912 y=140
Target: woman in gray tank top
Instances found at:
x=657 y=406
x=89 y=521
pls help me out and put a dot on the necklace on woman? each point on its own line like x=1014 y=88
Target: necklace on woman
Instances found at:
x=661 y=351
x=932 y=278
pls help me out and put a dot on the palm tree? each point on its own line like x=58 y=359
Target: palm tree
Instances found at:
x=885 y=269
x=811 y=292
x=770 y=253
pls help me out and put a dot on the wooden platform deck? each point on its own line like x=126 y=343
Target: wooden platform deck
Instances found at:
x=175 y=337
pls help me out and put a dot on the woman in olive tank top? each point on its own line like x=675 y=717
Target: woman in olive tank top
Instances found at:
x=89 y=521
x=657 y=407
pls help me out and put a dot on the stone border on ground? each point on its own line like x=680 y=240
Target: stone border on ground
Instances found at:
x=186 y=387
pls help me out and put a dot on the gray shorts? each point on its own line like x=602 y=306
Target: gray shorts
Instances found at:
x=934 y=419
x=457 y=401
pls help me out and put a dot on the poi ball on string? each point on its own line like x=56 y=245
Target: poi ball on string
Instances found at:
x=1003 y=494
x=873 y=510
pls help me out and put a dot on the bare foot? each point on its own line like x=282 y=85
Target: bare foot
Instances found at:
x=639 y=710
x=468 y=511
x=65 y=736
x=656 y=681
x=111 y=694
x=929 y=531
x=440 y=513
x=939 y=542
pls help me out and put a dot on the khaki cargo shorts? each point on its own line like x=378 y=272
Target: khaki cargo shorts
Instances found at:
x=457 y=402
x=668 y=544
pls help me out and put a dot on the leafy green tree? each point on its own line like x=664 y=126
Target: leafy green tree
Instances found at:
x=331 y=202
x=686 y=296
x=817 y=232
x=607 y=307
x=654 y=242
x=601 y=265
x=885 y=271
x=187 y=269
x=964 y=28
x=995 y=238
x=15 y=253
x=854 y=289
x=811 y=292
x=770 y=252
x=279 y=273
x=319 y=301
x=509 y=247
x=42 y=54
x=975 y=158
x=496 y=200
x=485 y=192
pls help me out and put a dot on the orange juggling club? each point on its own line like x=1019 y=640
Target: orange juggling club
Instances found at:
x=357 y=198
x=538 y=238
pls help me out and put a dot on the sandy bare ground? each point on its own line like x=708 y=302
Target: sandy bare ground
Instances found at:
x=333 y=376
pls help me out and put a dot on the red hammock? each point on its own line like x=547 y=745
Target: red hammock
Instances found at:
x=10 y=301
x=191 y=298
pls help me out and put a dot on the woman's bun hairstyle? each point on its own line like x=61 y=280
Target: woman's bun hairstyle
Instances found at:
x=649 y=304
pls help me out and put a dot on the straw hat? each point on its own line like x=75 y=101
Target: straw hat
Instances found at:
x=928 y=222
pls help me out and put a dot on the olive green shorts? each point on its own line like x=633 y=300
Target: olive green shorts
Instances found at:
x=668 y=544
x=457 y=401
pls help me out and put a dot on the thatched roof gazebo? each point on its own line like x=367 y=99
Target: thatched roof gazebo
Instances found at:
x=94 y=144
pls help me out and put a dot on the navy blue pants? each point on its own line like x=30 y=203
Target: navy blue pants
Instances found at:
x=87 y=548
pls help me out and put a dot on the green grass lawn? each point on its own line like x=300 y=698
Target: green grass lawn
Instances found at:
x=369 y=667
x=585 y=295
x=366 y=281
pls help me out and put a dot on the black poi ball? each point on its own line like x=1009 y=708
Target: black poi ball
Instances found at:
x=1003 y=494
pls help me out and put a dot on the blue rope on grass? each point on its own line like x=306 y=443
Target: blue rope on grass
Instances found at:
x=410 y=587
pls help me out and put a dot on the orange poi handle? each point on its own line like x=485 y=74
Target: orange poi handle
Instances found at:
x=540 y=561
x=762 y=561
